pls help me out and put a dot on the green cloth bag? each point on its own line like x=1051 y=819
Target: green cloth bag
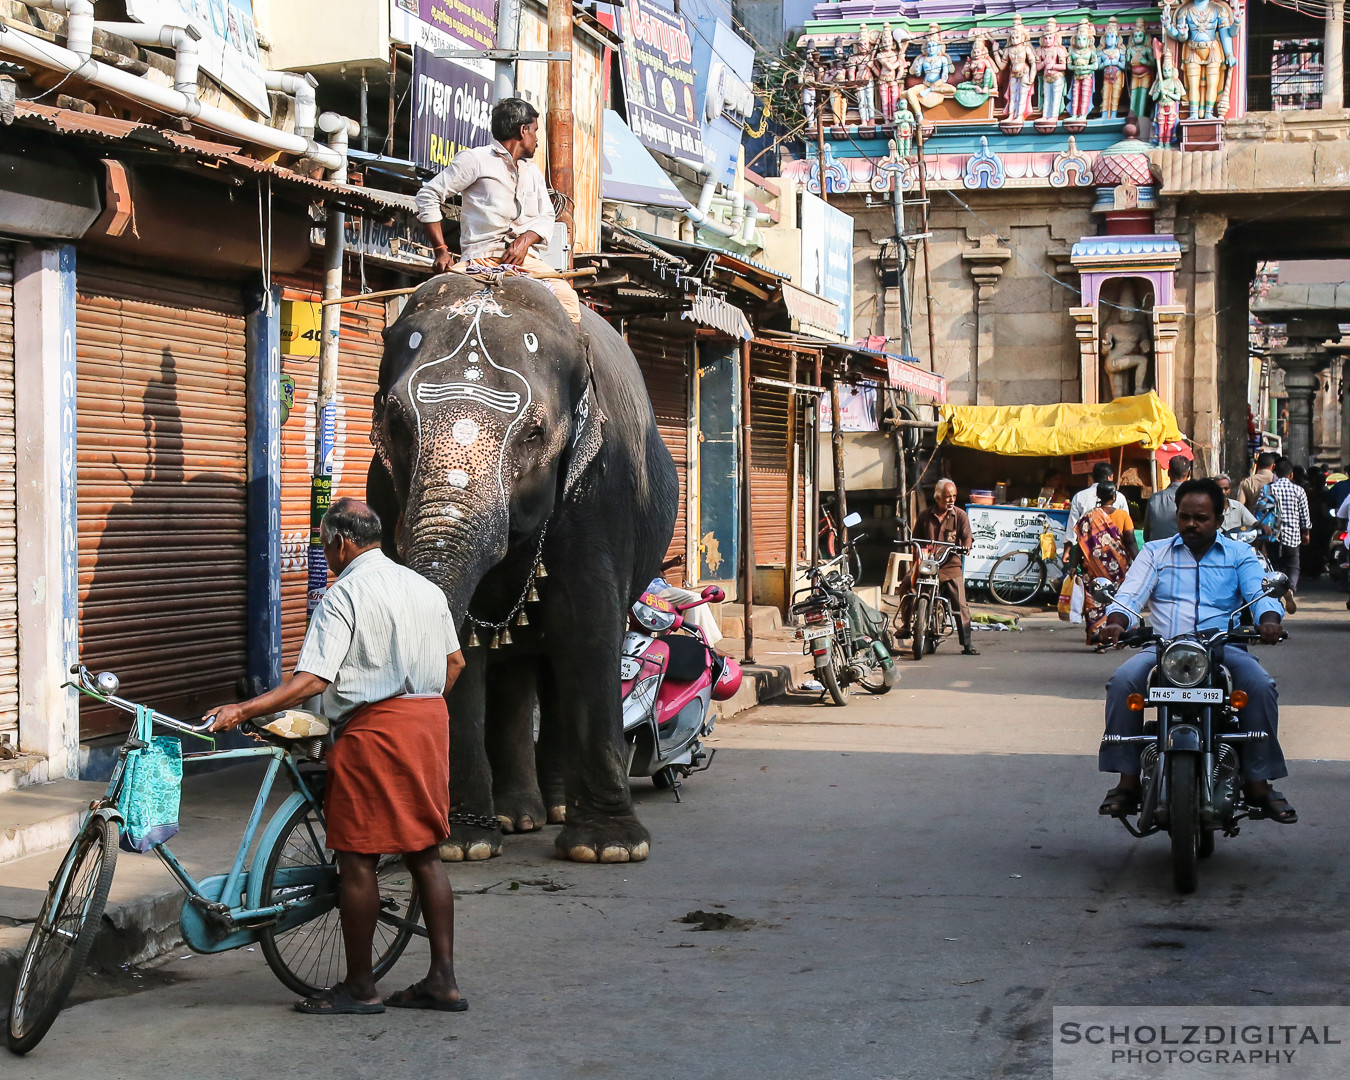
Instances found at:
x=151 y=788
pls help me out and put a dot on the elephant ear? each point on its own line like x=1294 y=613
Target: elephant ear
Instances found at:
x=587 y=431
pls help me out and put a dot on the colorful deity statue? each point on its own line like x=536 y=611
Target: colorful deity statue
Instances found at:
x=890 y=69
x=811 y=75
x=1082 y=65
x=1053 y=58
x=933 y=67
x=1206 y=28
x=1019 y=58
x=865 y=75
x=1167 y=92
x=1143 y=64
x=1111 y=61
x=839 y=77
x=904 y=130
x=980 y=70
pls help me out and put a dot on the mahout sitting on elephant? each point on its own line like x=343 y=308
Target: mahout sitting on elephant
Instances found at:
x=517 y=458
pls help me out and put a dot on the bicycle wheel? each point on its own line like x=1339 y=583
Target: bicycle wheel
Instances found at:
x=63 y=933
x=1017 y=577
x=304 y=949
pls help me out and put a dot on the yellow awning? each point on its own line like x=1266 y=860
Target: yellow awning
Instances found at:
x=1059 y=430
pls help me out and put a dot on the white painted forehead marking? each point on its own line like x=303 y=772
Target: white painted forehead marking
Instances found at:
x=415 y=339
x=473 y=358
x=531 y=343
x=507 y=401
x=465 y=431
x=473 y=374
x=457 y=478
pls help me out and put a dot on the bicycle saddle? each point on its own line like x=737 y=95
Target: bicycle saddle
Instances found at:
x=293 y=724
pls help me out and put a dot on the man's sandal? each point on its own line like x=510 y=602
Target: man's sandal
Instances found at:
x=1119 y=802
x=1273 y=806
x=338 y=1001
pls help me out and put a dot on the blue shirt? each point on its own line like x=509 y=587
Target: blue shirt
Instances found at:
x=1185 y=594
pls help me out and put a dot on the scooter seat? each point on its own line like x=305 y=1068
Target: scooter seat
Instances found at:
x=293 y=724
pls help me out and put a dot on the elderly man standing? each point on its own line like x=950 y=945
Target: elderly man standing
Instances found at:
x=946 y=522
x=506 y=217
x=1160 y=519
x=382 y=650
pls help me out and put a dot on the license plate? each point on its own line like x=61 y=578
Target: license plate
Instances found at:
x=821 y=631
x=1203 y=695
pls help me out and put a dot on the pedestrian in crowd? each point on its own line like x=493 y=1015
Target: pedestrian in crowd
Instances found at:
x=506 y=216
x=382 y=650
x=1160 y=519
x=1235 y=515
x=1105 y=548
x=1102 y=473
x=1193 y=581
x=1314 y=557
x=1293 y=529
x=946 y=522
x=1250 y=489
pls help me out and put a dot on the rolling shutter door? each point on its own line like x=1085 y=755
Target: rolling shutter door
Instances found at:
x=9 y=604
x=769 y=460
x=664 y=364
x=358 y=379
x=161 y=399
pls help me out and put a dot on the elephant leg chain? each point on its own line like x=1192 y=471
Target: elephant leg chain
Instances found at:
x=498 y=630
x=477 y=821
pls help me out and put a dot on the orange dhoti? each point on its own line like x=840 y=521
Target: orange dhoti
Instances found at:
x=388 y=790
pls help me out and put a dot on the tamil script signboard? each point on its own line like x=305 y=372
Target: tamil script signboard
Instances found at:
x=228 y=48
x=1001 y=529
x=827 y=257
x=469 y=22
x=658 y=80
x=452 y=109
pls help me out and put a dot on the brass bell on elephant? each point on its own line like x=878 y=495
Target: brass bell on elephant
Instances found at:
x=506 y=637
x=533 y=598
x=539 y=571
x=474 y=641
x=522 y=619
x=496 y=642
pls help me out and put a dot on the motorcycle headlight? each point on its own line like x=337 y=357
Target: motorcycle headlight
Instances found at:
x=1185 y=663
x=928 y=566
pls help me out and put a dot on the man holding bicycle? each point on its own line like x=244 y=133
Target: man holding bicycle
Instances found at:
x=382 y=650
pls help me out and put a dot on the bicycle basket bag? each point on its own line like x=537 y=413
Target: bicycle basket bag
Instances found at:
x=151 y=787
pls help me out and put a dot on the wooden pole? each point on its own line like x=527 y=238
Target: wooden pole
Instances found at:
x=560 y=115
x=790 y=540
x=837 y=447
x=747 y=514
x=820 y=144
x=927 y=250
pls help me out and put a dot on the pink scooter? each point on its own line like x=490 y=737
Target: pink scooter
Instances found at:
x=670 y=679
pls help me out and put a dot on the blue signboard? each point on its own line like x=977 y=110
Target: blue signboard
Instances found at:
x=827 y=257
x=723 y=67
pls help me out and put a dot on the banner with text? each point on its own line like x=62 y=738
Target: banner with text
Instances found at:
x=452 y=108
x=228 y=48
x=473 y=22
x=658 y=80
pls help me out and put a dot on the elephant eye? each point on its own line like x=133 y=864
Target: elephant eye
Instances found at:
x=536 y=434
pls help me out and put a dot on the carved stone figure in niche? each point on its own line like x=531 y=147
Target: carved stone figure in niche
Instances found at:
x=904 y=131
x=1127 y=346
x=1082 y=65
x=1206 y=28
x=1019 y=58
x=1143 y=66
x=890 y=68
x=811 y=74
x=980 y=70
x=1167 y=92
x=933 y=67
x=1054 y=63
x=1111 y=61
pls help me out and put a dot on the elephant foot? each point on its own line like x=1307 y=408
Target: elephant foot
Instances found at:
x=557 y=815
x=468 y=843
x=606 y=838
x=518 y=814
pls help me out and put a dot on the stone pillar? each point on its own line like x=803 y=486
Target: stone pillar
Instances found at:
x=1086 y=330
x=1198 y=411
x=985 y=261
x=1333 y=57
x=1301 y=364
x=1166 y=326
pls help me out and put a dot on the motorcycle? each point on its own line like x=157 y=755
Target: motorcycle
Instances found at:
x=1252 y=537
x=1189 y=767
x=832 y=625
x=1338 y=559
x=670 y=679
x=931 y=616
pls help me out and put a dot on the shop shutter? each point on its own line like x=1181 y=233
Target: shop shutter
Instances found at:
x=161 y=399
x=664 y=362
x=358 y=379
x=9 y=606
x=769 y=461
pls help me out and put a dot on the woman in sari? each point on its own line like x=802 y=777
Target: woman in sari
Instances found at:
x=1106 y=546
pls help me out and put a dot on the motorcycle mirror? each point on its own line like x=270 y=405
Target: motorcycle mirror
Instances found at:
x=1275 y=585
x=713 y=594
x=853 y=519
x=1103 y=586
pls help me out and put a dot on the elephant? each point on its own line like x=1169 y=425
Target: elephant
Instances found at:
x=517 y=456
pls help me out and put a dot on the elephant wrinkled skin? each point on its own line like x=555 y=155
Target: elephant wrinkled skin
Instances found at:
x=505 y=435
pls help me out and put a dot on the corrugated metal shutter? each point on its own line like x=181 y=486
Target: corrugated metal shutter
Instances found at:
x=358 y=379
x=161 y=389
x=769 y=460
x=664 y=362
x=9 y=604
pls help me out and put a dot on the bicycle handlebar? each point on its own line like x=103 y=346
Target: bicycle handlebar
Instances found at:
x=89 y=686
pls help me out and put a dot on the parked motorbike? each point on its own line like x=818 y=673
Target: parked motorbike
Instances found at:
x=1338 y=559
x=931 y=616
x=833 y=626
x=1190 y=765
x=670 y=679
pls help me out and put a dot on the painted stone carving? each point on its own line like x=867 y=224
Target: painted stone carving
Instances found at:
x=933 y=67
x=1167 y=92
x=1082 y=65
x=1206 y=29
x=1111 y=61
x=890 y=73
x=1143 y=67
x=1127 y=347
x=1053 y=58
x=1019 y=60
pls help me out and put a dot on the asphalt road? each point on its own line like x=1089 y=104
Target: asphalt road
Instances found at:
x=915 y=881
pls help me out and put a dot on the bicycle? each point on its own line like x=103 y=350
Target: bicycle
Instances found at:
x=285 y=901
x=1019 y=577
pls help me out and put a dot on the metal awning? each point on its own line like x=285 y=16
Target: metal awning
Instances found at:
x=813 y=315
x=893 y=370
x=713 y=311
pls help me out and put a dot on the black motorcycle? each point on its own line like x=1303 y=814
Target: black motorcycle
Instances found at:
x=1190 y=764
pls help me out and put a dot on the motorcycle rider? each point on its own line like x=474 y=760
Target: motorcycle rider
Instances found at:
x=1236 y=517
x=948 y=523
x=1194 y=581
